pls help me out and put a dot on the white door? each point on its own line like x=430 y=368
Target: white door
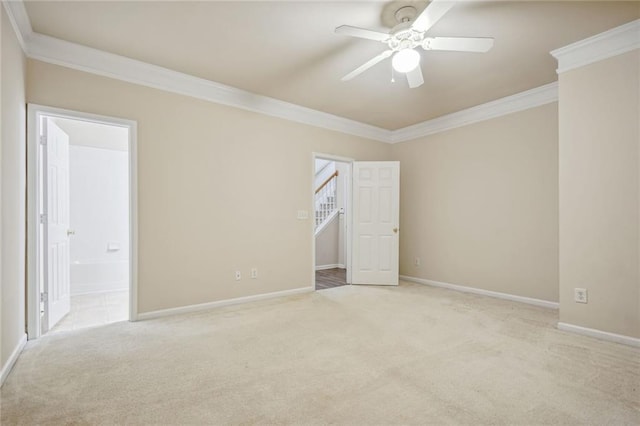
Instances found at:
x=56 y=211
x=376 y=207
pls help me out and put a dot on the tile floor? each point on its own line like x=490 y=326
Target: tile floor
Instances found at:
x=89 y=310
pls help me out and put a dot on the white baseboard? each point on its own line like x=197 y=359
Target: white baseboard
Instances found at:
x=332 y=266
x=506 y=296
x=220 y=303
x=12 y=359
x=599 y=334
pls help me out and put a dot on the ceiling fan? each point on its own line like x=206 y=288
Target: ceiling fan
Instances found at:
x=410 y=33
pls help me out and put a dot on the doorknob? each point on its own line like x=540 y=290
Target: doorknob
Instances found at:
x=71 y=232
x=395 y=230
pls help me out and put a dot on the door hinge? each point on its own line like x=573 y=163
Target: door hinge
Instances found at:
x=44 y=296
x=43 y=140
x=43 y=218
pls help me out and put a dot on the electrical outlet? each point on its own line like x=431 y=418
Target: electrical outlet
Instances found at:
x=238 y=276
x=580 y=295
x=416 y=261
x=254 y=273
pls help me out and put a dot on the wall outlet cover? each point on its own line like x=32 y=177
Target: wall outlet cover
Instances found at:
x=580 y=295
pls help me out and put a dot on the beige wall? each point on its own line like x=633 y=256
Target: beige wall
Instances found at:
x=218 y=188
x=327 y=244
x=599 y=194
x=479 y=205
x=13 y=174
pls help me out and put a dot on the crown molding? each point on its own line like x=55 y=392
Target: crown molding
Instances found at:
x=605 y=45
x=20 y=22
x=520 y=101
x=83 y=58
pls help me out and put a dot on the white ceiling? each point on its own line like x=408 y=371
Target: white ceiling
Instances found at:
x=95 y=135
x=288 y=50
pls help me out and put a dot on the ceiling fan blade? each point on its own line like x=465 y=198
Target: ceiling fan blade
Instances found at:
x=367 y=65
x=361 y=33
x=460 y=44
x=432 y=14
x=415 y=78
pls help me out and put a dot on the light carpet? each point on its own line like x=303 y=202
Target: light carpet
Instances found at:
x=350 y=355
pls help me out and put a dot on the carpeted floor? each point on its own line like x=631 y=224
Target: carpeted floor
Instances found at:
x=349 y=355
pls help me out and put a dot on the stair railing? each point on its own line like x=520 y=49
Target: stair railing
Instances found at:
x=325 y=200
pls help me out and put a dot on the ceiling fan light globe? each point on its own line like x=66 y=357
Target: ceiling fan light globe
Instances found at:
x=405 y=60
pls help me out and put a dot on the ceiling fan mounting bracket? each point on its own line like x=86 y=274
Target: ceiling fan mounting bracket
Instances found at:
x=405 y=14
x=397 y=11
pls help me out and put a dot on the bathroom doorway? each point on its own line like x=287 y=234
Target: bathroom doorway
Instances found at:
x=83 y=194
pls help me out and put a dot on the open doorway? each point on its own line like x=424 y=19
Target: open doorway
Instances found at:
x=331 y=213
x=81 y=210
x=367 y=211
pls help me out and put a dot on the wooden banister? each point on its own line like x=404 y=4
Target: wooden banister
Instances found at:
x=326 y=181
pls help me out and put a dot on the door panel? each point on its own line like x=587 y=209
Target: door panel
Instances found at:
x=57 y=280
x=386 y=252
x=376 y=205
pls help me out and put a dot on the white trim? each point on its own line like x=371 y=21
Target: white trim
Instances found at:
x=12 y=359
x=605 y=45
x=33 y=208
x=330 y=157
x=34 y=112
x=520 y=101
x=598 y=334
x=83 y=58
x=220 y=303
x=133 y=220
x=496 y=294
x=59 y=52
x=76 y=56
x=330 y=266
x=20 y=22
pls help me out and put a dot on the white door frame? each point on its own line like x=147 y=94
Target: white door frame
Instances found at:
x=348 y=236
x=35 y=114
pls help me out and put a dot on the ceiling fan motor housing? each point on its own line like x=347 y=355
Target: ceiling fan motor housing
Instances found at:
x=404 y=37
